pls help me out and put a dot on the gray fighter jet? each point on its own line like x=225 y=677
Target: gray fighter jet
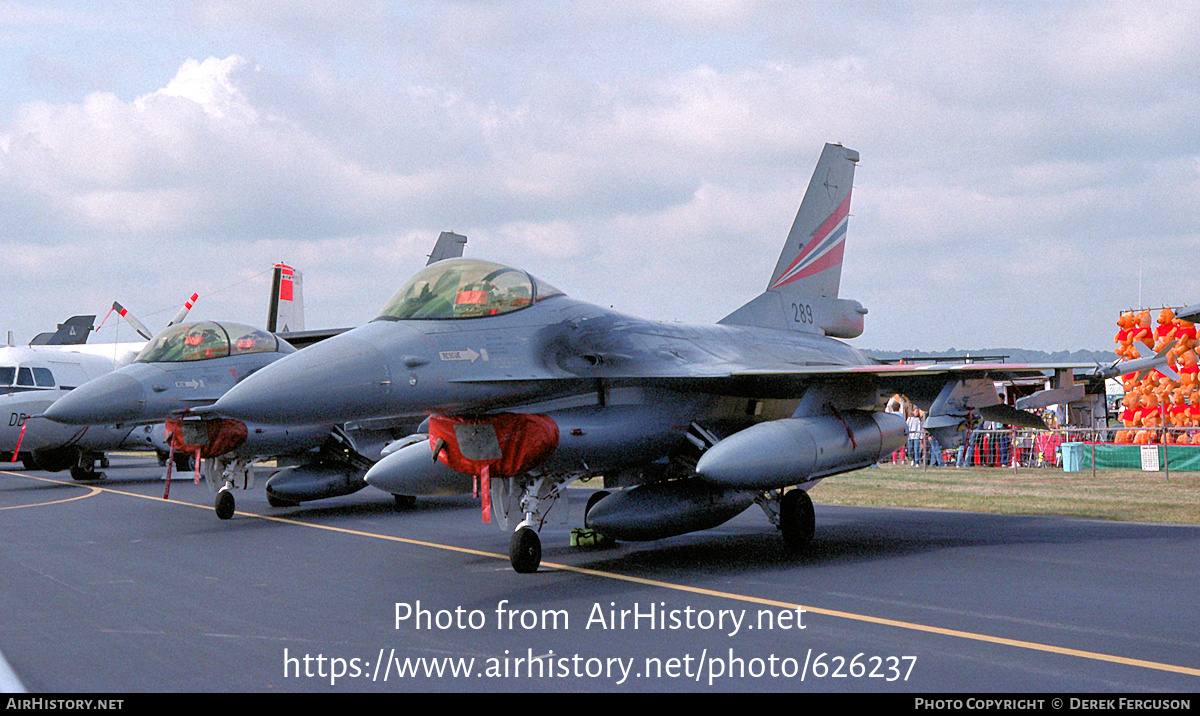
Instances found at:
x=193 y=364
x=526 y=389
x=188 y=365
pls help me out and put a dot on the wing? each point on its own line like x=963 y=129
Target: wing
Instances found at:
x=764 y=364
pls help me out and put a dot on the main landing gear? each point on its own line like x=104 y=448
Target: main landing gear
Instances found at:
x=791 y=511
x=86 y=474
x=796 y=519
x=85 y=469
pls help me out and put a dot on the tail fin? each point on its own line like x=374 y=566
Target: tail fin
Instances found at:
x=73 y=332
x=802 y=293
x=286 y=312
x=811 y=262
x=449 y=246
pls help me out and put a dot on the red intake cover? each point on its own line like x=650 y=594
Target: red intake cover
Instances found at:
x=507 y=443
x=212 y=437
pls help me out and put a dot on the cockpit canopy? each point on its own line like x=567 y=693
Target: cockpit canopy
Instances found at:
x=465 y=288
x=208 y=339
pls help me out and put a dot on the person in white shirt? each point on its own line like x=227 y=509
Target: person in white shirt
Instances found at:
x=914 y=435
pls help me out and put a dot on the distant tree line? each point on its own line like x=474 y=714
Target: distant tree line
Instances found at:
x=1014 y=355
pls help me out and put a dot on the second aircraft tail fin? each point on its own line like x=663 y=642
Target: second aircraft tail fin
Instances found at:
x=286 y=312
x=449 y=246
x=74 y=331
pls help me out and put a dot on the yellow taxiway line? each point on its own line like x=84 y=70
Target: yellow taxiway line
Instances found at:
x=865 y=618
x=92 y=491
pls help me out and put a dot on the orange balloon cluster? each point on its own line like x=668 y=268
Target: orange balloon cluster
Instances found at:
x=1155 y=401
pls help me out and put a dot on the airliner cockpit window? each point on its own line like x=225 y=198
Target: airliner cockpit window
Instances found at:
x=464 y=288
x=206 y=340
x=25 y=377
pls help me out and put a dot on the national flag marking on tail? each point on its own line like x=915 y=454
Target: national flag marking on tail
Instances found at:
x=285 y=281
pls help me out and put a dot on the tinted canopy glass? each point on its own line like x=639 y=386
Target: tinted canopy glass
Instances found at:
x=202 y=341
x=465 y=288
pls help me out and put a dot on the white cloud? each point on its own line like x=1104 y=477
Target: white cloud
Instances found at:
x=662 y=142
x=195 y=156
x=209 y=84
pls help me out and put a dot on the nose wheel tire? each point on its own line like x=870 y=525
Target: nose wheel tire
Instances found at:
x=225 y=504
x=525 y=551
x=796 y=519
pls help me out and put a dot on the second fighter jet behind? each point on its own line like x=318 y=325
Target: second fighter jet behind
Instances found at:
x=527 y=389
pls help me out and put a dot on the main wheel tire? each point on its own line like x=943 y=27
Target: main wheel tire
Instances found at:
x=183 y=462
x=405 y=502
x=225 y=504
x=525 y=551
x=797 y=521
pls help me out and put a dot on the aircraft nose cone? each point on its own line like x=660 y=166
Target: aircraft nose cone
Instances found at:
x=112 y=398
x=338 y=379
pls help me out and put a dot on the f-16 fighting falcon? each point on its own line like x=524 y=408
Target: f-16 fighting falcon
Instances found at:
x=193 y=364
x=526 y=389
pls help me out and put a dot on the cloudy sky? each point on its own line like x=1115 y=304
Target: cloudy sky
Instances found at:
x=1028 y=170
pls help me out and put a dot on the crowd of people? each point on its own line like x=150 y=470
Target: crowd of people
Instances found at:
x=987 y=444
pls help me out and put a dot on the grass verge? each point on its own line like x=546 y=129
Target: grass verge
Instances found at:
x=1128 y=495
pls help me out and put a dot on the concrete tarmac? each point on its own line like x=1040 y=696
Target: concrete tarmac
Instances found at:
x=108 y=588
